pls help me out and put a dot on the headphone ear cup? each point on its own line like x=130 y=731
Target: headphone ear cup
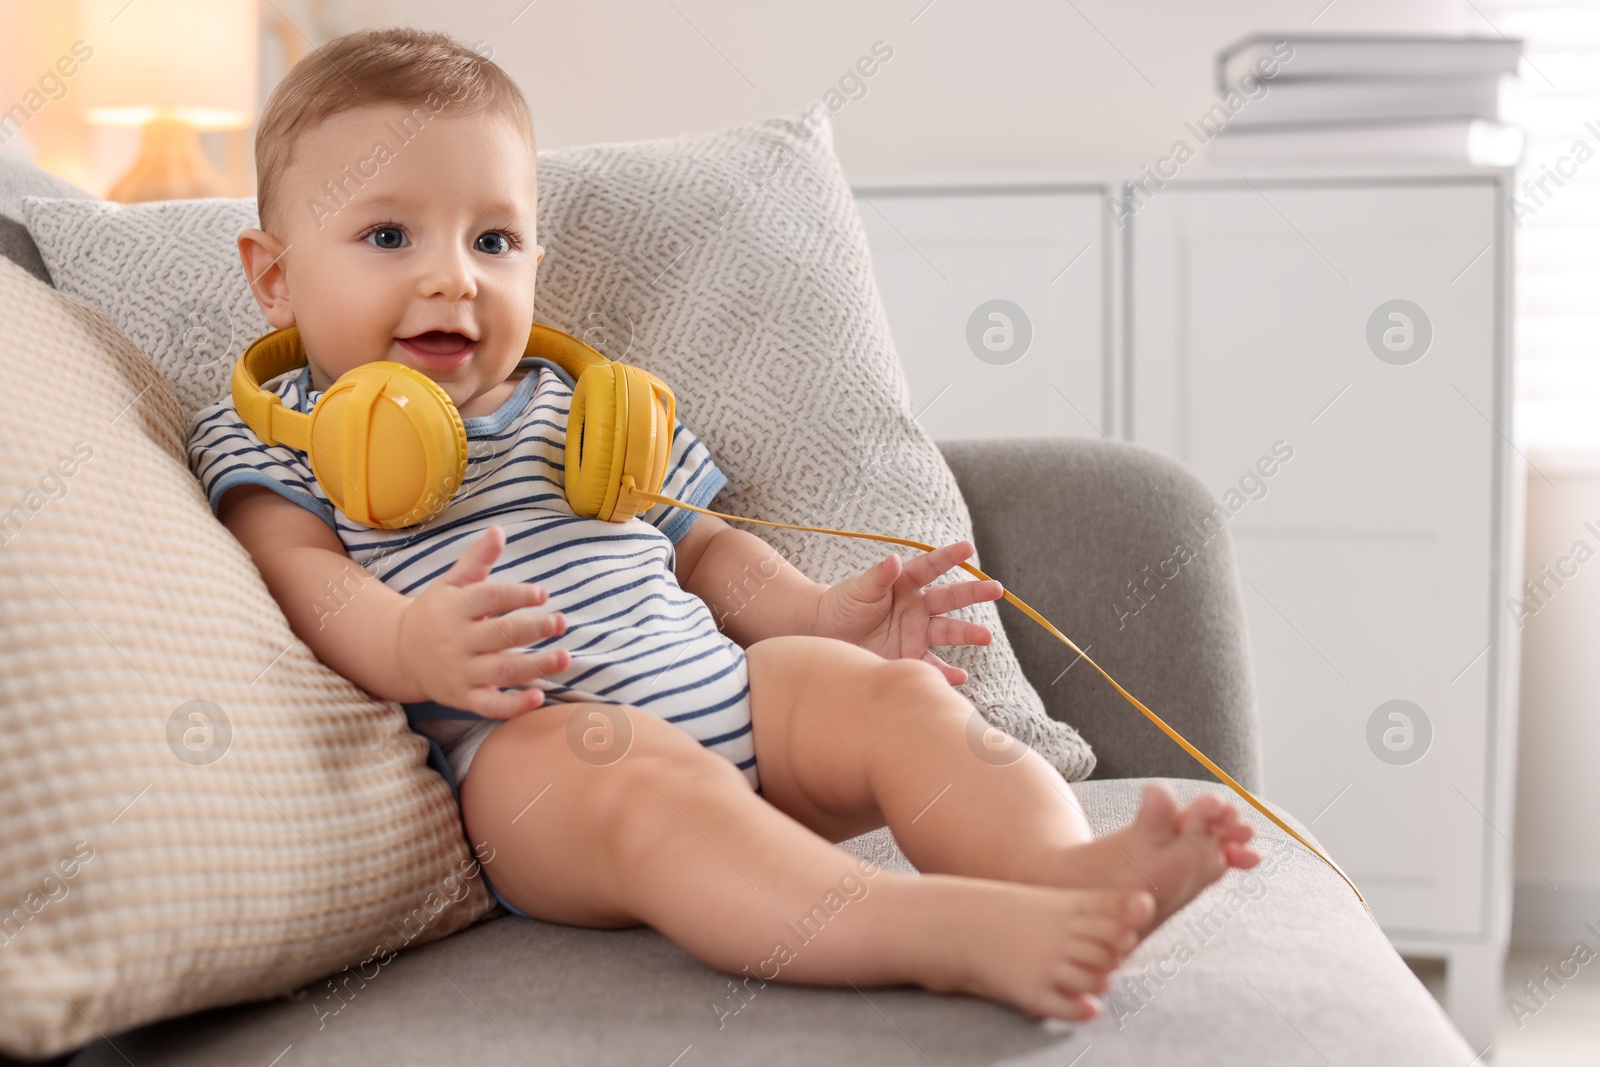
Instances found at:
x=383 y=418
x=649 y=432
x=619 y=425
x=593 y=479
x=640 y=443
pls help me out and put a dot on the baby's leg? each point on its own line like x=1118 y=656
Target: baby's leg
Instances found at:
x=847 y=741
x=671 y=834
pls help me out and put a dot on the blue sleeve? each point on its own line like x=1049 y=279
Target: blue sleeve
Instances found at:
x=224 y=452
x=692 y=477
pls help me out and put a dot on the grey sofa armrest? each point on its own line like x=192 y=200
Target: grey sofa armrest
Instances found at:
x=1074 y=526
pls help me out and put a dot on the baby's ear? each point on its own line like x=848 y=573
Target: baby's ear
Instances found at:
x=262 y=256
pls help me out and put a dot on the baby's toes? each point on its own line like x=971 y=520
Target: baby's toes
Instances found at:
x=1159 y=815
x=1052 y=1003
x=1210 y=849
x=1226 y=812
x=1089 y=1006
x=1111 y=909
x=1093 y=953
x=1118 y=936
x=1071 y=977
x=1204 y=811
x=1241 y=856
x=1078 y=1007
x=1135 y=908
x=1203 y=817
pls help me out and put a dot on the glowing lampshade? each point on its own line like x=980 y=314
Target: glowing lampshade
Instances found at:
x=170 y=68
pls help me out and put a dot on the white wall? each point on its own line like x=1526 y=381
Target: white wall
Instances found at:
x=1027 y=85
x=1558 y=791
x=971 y=86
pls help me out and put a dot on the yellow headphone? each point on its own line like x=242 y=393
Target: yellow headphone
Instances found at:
x=388 y=414
x=615 y=463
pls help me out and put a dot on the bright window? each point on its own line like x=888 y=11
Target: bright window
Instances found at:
x=1557 y=215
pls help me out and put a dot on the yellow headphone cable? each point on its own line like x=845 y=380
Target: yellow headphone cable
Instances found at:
x=625 y=418
x=1205 y=761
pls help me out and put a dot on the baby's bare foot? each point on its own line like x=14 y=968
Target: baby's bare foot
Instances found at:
x=1171 y=853
x=1044 y=951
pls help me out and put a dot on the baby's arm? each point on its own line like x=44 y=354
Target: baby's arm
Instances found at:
x=441 y=644
x=753 y=592
x=296 y=553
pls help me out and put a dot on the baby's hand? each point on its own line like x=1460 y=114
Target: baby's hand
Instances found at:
x=891 y=609
x=455 y=634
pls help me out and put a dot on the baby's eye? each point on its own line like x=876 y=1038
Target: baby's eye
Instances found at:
x=386 y=237
x=494 y=242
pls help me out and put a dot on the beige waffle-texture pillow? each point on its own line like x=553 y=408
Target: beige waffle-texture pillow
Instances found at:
x=194 y=811
x=732 y=264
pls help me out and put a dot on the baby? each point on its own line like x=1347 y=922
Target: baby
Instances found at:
x=598 y=695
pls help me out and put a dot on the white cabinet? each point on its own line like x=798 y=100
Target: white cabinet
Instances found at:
x=1362 y=324
x=1331 y=354
x=999 y=305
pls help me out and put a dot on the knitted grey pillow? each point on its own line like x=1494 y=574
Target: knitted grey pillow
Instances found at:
x=732 y=264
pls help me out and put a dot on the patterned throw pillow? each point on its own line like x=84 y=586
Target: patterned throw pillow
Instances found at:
x=732 y=264
x=167 y=273
x=194 y=810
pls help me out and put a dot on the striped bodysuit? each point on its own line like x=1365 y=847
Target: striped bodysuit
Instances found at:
x=634 y=635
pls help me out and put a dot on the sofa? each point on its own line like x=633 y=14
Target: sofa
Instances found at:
x=1279 y=966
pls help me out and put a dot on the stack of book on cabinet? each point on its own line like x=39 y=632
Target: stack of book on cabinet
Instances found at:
x=1366 y=97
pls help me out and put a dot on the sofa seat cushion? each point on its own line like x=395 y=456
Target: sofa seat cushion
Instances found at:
x=1279 y=966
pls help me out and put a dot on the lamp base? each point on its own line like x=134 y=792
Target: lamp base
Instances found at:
x=171 y=166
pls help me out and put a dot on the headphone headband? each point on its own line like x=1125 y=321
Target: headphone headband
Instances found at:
x=280 y=351
x=270 y=356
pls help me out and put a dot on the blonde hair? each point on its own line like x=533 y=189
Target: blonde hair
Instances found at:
x=398 y=65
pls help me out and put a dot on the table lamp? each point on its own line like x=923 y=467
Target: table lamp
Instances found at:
x=170 y=68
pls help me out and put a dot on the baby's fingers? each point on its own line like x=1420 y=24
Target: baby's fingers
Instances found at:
x=516 y=668
x=929 y=565
x=517 y=630
x=484 y=599
x=475 y=562
x=943 y=630
x=494 y=703
x=952 y=674
x=948 y=596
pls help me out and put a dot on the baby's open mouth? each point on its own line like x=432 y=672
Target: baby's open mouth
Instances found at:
x=439 y=348
x=439 y=342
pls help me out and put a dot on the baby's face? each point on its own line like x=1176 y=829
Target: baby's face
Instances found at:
x=429 y=262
